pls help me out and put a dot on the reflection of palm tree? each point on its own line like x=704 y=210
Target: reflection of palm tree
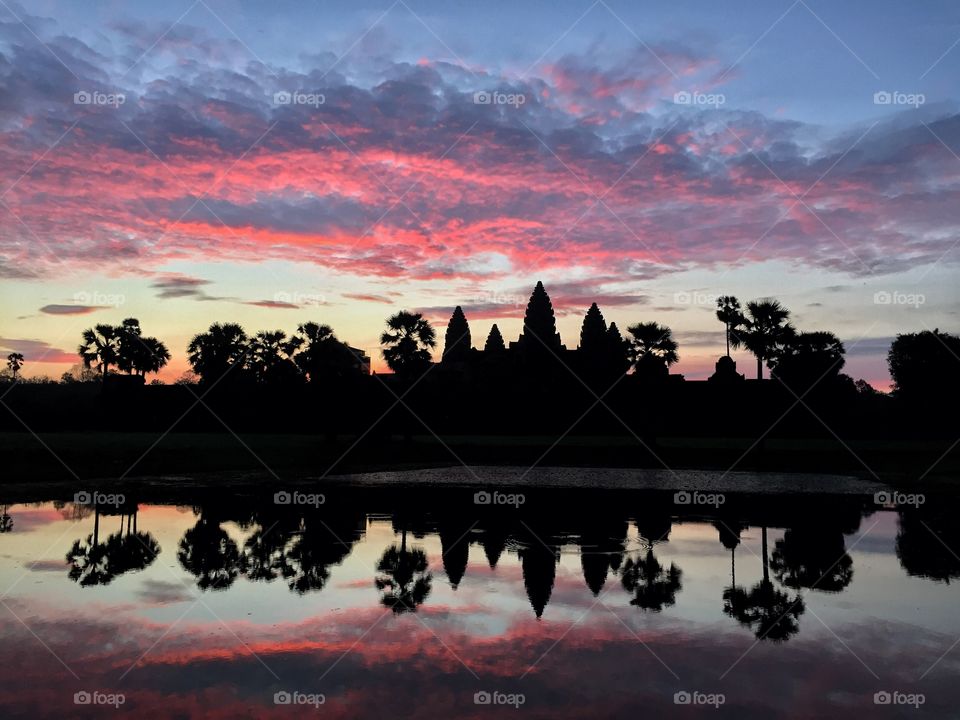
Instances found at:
x=769 y=612
x=264 y=552
x=208 y=553
x=654 y=586
x=924 y=541
x=403 y=577
x=314 y=551
x=6 y=522
x=730 y=539
x=812 y=558
x=95 y=563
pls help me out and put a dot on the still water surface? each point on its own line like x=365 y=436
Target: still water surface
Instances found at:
x=420 y=603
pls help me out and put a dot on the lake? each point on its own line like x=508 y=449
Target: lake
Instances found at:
x=451 y=601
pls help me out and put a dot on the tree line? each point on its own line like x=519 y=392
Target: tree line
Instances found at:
x=314 y=353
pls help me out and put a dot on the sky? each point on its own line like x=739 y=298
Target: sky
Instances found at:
x=271 y=163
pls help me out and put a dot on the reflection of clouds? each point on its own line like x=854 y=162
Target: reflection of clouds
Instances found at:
x=47 y=566
x=198 y=669
x=160 y=592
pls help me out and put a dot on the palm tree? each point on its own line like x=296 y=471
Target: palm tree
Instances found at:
x=652 y=348
x=271 y=356
x=14 y=363
x=100 y=348
x=213 y=353
x=403 y=577
x=155 y=356
x=407 y=343
x=765 y=330
x=138 y=354
x=730 y=314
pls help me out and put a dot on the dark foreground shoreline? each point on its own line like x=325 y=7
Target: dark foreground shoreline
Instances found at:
x=132 y=459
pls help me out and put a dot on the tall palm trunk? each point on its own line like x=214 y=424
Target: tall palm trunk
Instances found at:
x=759 y=368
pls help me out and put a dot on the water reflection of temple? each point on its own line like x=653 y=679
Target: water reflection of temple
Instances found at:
x=622 y=546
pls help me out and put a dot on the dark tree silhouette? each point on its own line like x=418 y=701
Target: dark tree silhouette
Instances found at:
x=322 y=356
x=812 y=557
x=100 y=348
x=403 y=577
x=652 y=349
x=271 y=357
x=138 y=354
x=457 y=341
x=14 y=363
x=315 y=549
x=653 y=586
x=925 y=542
x=210 y=555
x=731 y=315
x=95 y=563
x=764 y=331
x=809 y=358
x=222 y=349
x=407 y=343
x=494 y=344
x=925 y=365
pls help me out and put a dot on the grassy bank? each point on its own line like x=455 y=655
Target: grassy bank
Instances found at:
x=65 y=457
